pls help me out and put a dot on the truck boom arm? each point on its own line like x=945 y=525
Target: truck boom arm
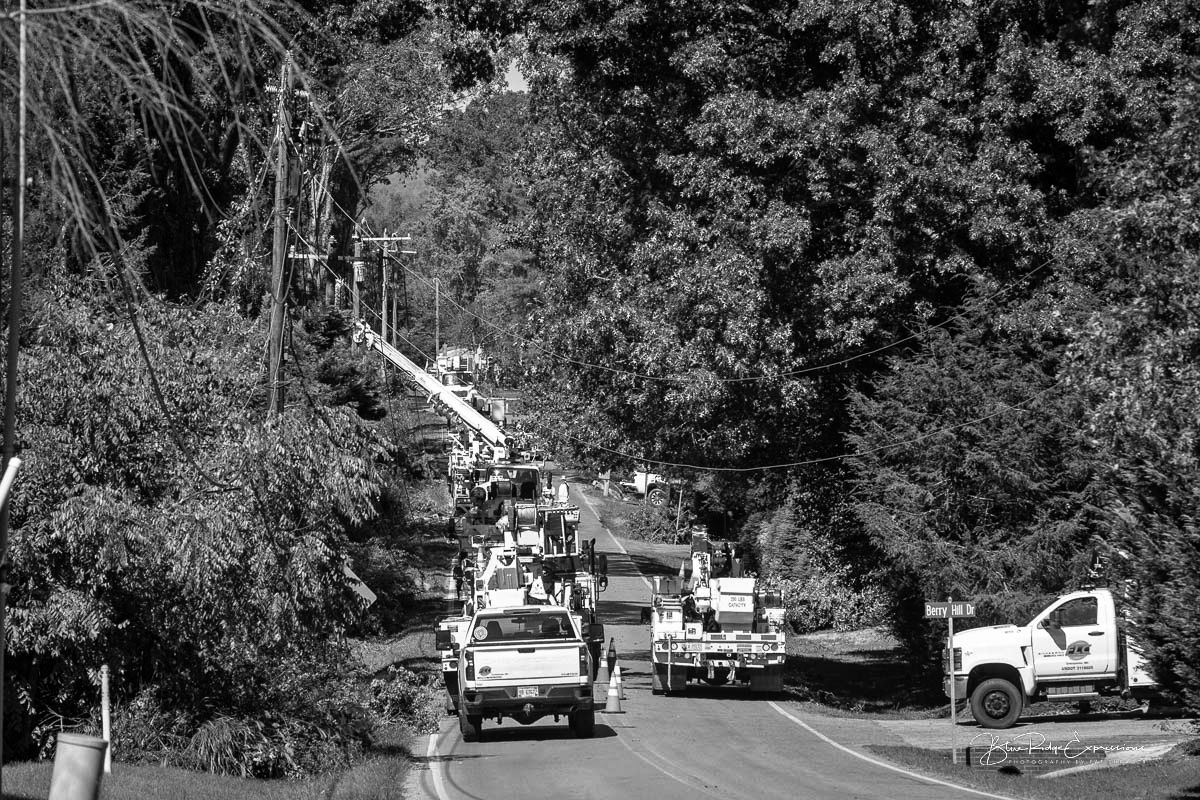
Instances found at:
x=477 y=422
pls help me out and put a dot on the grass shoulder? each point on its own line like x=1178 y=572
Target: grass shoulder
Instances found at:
x=1175 y=776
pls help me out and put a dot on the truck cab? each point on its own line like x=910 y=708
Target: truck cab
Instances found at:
x=1076 y=649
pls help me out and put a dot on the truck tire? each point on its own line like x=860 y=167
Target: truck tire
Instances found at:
x=470 y=726
x=996 y=703
x=583 y=723
x=658 y=679
x=656 y=496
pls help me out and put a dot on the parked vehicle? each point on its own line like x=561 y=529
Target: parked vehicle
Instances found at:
x=1077 y=649
x=654 y=488
x=525 y=663
x=715 y=625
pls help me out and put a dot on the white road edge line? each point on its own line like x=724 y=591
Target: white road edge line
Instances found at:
x=884 y=764
x=616 y=541
x=431 y=754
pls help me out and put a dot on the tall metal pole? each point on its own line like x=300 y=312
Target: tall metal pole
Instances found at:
x=953 y=699
x=356 y=273
x=437 y=320
x=383 y=296
x=14 y=347
x=279 y=244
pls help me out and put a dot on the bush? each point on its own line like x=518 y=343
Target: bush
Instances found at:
x=310 y=723
x=824 y=600
x=650 y=524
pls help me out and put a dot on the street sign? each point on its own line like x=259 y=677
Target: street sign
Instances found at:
x=958 y=608
x=949 y=611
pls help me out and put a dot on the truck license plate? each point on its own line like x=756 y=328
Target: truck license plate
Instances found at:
x=527 y=691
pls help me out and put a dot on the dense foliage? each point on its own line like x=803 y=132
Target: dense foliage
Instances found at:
x=929 y=259
x=907 y=292
x=163 y=523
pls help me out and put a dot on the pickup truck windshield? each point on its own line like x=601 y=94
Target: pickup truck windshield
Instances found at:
x=553 y=626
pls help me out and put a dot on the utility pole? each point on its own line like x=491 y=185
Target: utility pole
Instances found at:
x=279 y=243
x=385 y=263
x=383 y=298
x=437 y=318
x=396 y=310
x=357 y=274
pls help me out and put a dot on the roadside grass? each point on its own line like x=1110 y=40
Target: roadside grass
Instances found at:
x=380 y=777
x=1176 y=776
x=31 y=781
x=856 y=673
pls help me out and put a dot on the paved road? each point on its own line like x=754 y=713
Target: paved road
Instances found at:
x=716 y=743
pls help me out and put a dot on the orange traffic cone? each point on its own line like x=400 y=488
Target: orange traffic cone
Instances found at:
x=620 y=684
x=613 y=706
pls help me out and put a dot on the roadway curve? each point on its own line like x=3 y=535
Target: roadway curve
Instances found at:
x=716 y=743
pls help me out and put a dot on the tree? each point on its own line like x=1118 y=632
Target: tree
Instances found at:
x=1133 y=362
x=196 y=551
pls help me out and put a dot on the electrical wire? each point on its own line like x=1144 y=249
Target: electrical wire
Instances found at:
x=379 y=317
x=814 y=461
x=806 y=462
x=749 y=379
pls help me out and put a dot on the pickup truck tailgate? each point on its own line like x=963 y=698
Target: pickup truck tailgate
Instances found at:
x=531 y=662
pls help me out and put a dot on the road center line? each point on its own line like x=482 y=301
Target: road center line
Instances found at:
x=616 y=541
x=689 y=784
x=878 y=763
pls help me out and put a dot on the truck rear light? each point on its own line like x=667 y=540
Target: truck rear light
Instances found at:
x=583 y=660
x=470 y=665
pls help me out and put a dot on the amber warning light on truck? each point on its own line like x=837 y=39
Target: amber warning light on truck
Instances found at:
x=948 y=610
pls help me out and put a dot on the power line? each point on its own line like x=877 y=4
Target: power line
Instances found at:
x=813 y=461
x=787 y=374
x=391 y=328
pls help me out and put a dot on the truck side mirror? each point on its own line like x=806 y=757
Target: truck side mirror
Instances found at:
x=443 y=641
x=603 y=563
x=1049 y=623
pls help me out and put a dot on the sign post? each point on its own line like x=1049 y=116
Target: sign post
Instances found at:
x=948 y=611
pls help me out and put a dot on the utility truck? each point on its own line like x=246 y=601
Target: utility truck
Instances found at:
x=519 y=551
x=715 y=626
x=525 y=663
x=1077 y=649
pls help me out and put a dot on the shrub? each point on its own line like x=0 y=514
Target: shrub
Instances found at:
x=650 y=524
x=308 y=723
x=825 y=600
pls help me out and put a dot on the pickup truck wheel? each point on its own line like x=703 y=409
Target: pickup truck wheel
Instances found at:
x=658 y=679
x=583 y=723
x=657 y=496
x=996 y=703
x=471 y=726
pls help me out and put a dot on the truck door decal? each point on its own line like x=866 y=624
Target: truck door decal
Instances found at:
x=1078 y=650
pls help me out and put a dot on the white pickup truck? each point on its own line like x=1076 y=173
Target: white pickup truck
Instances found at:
x=1077 y=649
x=525 y=662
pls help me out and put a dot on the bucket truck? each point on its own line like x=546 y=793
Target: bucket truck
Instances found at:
x=715 y=626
